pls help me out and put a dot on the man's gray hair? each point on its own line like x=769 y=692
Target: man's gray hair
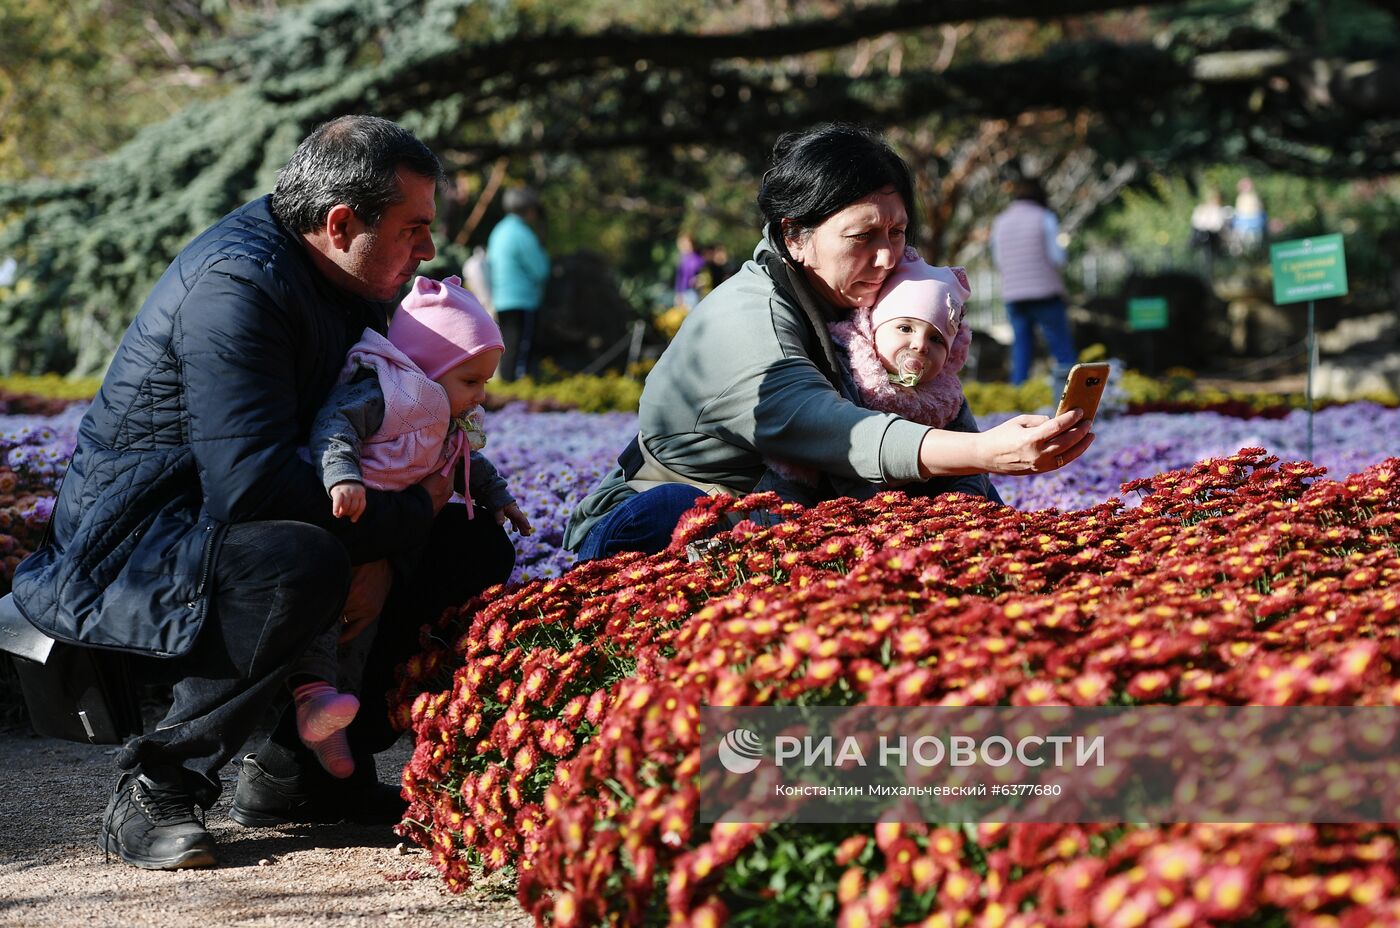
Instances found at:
x=352 y=160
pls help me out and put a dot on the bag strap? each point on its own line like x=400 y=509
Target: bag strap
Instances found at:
x=643 y=472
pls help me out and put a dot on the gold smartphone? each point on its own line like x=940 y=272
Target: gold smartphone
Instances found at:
x=1083 y=389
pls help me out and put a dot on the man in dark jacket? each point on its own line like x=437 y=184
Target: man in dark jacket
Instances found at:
x=190 y=532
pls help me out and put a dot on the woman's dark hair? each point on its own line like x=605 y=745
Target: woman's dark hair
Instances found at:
x=352 y=160
x=823 y=170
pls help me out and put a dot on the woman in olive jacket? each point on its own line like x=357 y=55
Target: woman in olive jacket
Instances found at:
x=752 y=376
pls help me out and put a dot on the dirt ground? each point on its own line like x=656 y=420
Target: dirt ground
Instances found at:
x=52 y=874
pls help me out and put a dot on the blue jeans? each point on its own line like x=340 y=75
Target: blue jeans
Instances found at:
x=1052 y=317
x=643 y=523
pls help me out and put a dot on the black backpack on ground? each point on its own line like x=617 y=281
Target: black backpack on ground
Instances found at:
x=71 y=692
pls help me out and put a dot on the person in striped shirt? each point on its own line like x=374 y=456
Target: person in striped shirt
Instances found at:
x=1026 y=249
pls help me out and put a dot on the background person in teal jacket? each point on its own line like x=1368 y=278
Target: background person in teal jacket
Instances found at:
x=518 y=267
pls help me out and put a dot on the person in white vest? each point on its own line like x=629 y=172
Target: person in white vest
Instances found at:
x=1026 y=249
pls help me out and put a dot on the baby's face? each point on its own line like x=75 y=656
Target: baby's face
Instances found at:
x=911 y=347
x=466 y=383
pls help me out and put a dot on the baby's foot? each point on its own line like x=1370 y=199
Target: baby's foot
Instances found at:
x=322 y=711
x=334 y=755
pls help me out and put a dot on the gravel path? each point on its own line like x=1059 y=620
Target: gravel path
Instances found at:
x=52 y=873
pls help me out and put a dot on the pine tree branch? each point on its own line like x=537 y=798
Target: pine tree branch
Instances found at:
x=1389 y=6
x=1300 y=99
x=688 y=49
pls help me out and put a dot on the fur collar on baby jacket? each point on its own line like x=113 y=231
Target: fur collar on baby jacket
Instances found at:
x=934 y=402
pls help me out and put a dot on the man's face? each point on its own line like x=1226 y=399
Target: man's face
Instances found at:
x=383 y=258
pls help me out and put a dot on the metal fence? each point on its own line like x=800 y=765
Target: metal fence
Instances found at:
x=1087 y=276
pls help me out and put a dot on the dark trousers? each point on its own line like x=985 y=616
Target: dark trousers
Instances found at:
x=275 y=585
x=462 y=557
x=517 y=333
x=1052 y=318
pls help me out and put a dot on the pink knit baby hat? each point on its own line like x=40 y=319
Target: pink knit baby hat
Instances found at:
x=917 y=290
x=439 y=325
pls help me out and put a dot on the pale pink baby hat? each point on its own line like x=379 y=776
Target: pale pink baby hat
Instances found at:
x=439 y=325
x=917 y=290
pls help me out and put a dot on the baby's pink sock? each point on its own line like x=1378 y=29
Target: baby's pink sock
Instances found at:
x=322 y=713
x=334 y=755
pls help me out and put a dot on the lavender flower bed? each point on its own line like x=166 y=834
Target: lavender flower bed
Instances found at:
x=552 y=459
x=37 y=449
x=1346 y=440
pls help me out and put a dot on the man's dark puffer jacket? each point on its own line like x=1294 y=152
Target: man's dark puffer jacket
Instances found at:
x=197 y=425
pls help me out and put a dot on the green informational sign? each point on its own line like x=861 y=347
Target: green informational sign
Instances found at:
x=1309 y=269
x=1147 y=313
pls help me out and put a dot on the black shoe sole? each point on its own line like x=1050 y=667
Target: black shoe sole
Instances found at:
x=189 y=860
x=251 y=819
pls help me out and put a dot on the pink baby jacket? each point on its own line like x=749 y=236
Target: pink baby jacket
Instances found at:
x=414 y=439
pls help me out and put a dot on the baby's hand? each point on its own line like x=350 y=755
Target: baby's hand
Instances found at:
x=348 y=501
x=517 y=517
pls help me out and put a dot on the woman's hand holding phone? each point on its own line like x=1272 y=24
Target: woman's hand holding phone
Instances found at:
x=1083 y=389
x=1033 y=444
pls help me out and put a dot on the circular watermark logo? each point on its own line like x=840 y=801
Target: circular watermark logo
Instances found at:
x=741 y=751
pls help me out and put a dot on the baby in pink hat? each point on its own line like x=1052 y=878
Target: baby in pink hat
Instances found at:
x=902 y=356
x=905 y=352
x=407 y=405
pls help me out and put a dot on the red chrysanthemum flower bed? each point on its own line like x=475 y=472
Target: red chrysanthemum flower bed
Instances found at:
x=27 y=404
x=22 y=522
x=557 y=731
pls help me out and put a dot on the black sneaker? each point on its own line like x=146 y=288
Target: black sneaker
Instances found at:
x=152 y=826
x=263 y=800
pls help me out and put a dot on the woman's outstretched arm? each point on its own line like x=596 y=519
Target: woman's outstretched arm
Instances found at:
x=1024 y=445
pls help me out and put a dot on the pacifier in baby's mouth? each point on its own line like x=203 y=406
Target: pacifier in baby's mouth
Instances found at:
x=909 y=367
x=473 y=425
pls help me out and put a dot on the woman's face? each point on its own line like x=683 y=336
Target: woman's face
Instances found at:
x=849 y=255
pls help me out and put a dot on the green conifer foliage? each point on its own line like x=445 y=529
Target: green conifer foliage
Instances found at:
x=667 y=95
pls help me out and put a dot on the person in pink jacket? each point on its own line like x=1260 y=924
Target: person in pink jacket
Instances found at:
x=407 y=405
x=1026 y=247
